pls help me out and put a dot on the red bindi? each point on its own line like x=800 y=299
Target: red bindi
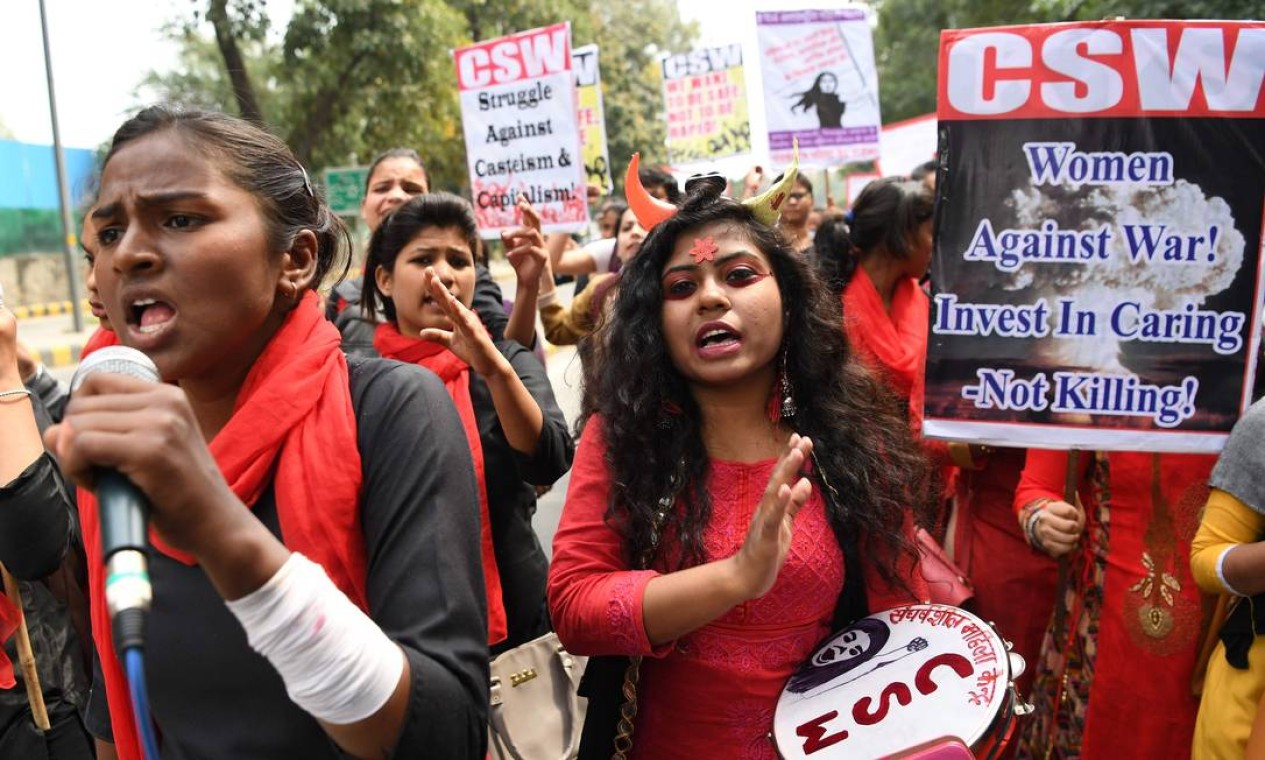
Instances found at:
x=704 y=249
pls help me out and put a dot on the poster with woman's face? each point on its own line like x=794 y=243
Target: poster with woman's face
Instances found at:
x=820 y=85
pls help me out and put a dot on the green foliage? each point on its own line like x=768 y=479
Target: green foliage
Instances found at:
x=23 y=230
x=351 y=78
x=199 y=81
x=631 y=35
x=907 y=44
x=907 y=40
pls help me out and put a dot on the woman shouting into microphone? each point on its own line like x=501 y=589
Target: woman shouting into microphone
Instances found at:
x=303 y=505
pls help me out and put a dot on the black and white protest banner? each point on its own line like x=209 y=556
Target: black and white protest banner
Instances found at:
x=820 y=85
x=519 y=117
x=1097 y=277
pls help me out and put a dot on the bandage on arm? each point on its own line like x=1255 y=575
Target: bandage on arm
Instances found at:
x=335 y=661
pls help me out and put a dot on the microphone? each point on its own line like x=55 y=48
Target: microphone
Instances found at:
x=123 y=512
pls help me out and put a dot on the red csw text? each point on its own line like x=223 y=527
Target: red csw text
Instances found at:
x=1103 y=69
x=518 y=57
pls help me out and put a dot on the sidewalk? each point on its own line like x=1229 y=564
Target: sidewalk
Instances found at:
x=53 y=338
x=47 y=329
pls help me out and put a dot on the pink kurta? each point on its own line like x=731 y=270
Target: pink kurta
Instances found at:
x=710 y=693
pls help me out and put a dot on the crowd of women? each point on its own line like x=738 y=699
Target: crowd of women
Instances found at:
x=342 y=488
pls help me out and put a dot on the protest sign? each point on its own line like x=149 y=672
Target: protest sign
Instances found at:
x=591 y=117
x=705 y=93
x=906 y=145
x=519 y=118
x=1097 y=271
x=820 y=85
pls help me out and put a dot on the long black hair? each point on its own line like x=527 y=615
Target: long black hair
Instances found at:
x=652 y=424
x=441 y=210
x=812 y=97
x=886 y=214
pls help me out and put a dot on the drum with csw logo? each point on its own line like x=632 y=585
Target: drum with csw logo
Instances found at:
x=899 y=679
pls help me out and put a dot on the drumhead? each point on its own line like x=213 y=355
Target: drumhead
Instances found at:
x=892 y=681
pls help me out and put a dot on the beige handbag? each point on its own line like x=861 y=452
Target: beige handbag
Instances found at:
x=535 y=711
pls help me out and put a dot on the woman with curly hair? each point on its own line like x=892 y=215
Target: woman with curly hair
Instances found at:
x=727 y=415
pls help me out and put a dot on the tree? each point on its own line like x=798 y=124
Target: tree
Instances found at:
x=631 y=35
x=907 y=44
x=251 y=24
x=353 y=77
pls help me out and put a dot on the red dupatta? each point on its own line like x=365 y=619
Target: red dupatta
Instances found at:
x=895 y=343
x=455 y=374
x=293 y=428
x=10 y=617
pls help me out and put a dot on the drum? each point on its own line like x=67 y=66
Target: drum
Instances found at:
x=899 y=679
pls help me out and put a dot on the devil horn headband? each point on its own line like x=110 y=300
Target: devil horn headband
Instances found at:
x=767 y=206
x=650 y=211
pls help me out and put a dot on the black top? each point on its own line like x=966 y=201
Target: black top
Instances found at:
x=511 y=479
x=213 y=697
x=39 y=544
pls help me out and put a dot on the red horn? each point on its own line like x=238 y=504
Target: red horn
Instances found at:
x=648 y=209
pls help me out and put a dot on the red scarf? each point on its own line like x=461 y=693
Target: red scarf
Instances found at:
x=455 y=373
x=894 y=344
x=293 y=427
x=10 y=617
x=101 y=338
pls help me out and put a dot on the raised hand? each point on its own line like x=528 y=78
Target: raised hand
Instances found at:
x=9 y=354
x=525 y=246
x=468 y=338
x=764 y=552
x=751 y=182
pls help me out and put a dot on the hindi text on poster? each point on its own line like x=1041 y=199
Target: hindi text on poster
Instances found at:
x=820 y=85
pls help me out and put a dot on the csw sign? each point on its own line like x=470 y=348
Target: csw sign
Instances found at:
x=705 y=95
x=1098 y=235
x=591 y=117
x=518 y=113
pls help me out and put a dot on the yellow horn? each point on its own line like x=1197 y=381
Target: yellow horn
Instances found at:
x=767 y=206
x=648 y=209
